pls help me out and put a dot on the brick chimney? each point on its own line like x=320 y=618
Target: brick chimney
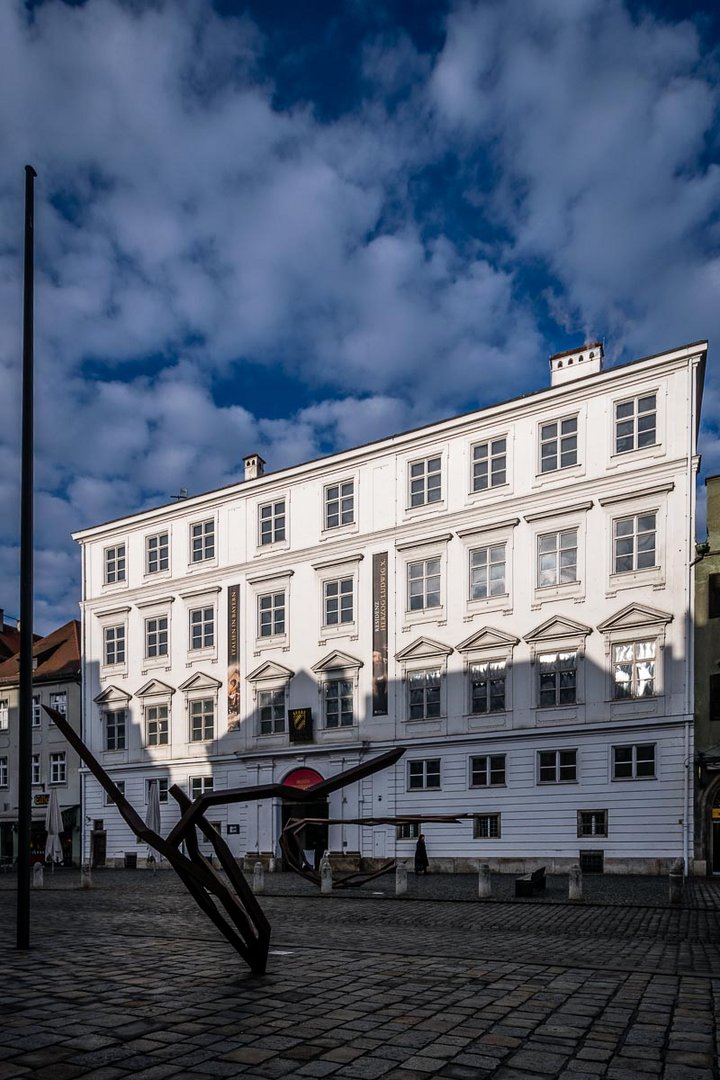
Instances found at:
x=573 y=364
x=254 y=466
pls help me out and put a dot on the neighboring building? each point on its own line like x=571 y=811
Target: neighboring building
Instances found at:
x=707 y=689
x=56 y=682
x=9 y=638
x=507 y=593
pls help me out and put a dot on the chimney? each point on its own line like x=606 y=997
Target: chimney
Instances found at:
x=254 y=466
x=575 y=363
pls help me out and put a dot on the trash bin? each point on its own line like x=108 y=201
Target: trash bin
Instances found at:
x=131 y=860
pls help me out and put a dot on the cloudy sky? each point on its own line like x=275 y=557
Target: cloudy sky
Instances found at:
x=295 y=225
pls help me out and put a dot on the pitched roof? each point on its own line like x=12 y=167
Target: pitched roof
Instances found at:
x=56 y=655
x=9 y=641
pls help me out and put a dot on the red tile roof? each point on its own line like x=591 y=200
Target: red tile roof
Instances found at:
x=57 y=655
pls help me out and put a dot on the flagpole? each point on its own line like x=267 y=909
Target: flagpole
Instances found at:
x=26 y=582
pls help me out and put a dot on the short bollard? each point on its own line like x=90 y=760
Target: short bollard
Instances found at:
x=85 y=876
x=484 y=885
x=325 y=875
x=38 y=876
x=258 y=879
x=676 y=883
x=400 y=880
x=271 y=865
x=575 y=888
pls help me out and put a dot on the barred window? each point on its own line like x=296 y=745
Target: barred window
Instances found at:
x=486 y=827
x=592 y=823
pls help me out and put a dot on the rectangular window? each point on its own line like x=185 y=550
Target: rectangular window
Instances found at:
x=487 y=572
x=423 y=584
x=36 y=713
x=557 y=673
x=558 y=444
x=557 y=766
x=340 y=504
x=426 y=481
x=423 y=775
x=486 y=827
x=35 y=771
x=115 y=729
x=487 y=687
x=272 y=522
x=408 y=830
x=114 y=645
x=634 y=669
x=633 y=762
x=202 y=541
x=163 y=784
x=157 y=553
x=271 y=615
x=157 y=725
x=635 y=424
x=114 y=564
x=3 y=771
x=557 y=558
x=714 y=596
x=489 y=464
x=338 y=602
x=338 y=703
x=424 y=694
x=592 y=823
x=202 y=628
x=156 y=637
x=202 y=720
x=120 y=785
x=487 y=771
x=634 y=543
x=58 y=768
x=4 y=714
x=58 y=701
x=271 y=709
x=200 y=785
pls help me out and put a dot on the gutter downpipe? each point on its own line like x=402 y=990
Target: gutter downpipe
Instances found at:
x=690 y=634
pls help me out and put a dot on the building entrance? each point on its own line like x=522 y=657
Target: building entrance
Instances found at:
x=715 y=833
x=313 y=838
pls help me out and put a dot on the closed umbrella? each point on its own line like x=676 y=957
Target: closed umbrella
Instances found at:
x=54 y=826
x=152 y=818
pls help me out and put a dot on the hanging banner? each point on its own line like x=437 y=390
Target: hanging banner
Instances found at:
x=380 y=635
x=233 y=671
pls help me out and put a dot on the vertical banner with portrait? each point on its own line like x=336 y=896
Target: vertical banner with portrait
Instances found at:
x=380 y=635
x=233 y=669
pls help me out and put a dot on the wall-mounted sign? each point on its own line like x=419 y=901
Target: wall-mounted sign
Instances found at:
x=301 y=729
x=41 y=800
x=233 y=830
x=302 y=778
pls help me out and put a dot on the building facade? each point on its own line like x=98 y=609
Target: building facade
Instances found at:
x=707 y=688
x=507 y=594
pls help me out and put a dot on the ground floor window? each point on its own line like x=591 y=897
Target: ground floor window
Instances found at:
x=592 y=822
x=486 y=827
x=200 y=785
x=408 y=830
x=424 y=774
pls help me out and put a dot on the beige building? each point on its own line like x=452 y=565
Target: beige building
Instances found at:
x=707 y=688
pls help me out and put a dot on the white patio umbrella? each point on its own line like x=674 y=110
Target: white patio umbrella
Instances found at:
x=152 y=818
x=54 y=826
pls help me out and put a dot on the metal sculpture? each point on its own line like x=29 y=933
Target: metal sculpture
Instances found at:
x=245 y=927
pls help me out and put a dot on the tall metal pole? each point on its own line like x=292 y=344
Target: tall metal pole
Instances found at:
x=26 y=583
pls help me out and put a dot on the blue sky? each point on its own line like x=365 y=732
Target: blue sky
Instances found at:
x=290 y=227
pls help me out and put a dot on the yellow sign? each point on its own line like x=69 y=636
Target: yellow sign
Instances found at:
x=41 y=800
x=716 y=813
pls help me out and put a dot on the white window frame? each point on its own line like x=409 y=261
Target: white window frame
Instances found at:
x=635 y=664
x=4 y=772
x=273 y=608
x=200 y=785
x=424 y=770
x=487 y=826
x=338 y=679
x=425 y=481
x=633 y=748
x=115 y=564
x=494 y=474
x=558 y=767
x=485 y=557
x=117 y=721
x=407 y=830
x=202 y=541
x=562 y=658
x=268 y=697
x=204 y=618
x=152 y=716
x=58 y=768
x=198 y=724
x=485 y=767
x=163 y=783
x=4 y=714
x=334 y=590
x=488 y=663
x=35 y=771
x=157 y=550
x=59 y=701
x=341 y=504
x=425 y=576
x=36 y=711
x=635 y=554
x=413 y=674
x=118 y=640
x=556 y=544
x=120 y=785
x=598 y=824
x=633 y=437
x=560 y=439
x=276 y=519
x=157 y=631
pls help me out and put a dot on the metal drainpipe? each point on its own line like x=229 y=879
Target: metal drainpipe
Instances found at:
x=690 y=636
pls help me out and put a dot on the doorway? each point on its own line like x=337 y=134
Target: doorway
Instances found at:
x=313 y=838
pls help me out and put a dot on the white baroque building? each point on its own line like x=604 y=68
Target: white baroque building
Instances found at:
x=507 y=593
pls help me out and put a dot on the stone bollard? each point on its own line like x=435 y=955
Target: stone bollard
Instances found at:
x=484 y=886
x=38 y=876
x=325 y=875
x=258 y=885
x=271 y=865
x=400 y=880
x=85 y=876
x=676 y=882
x=575 y=887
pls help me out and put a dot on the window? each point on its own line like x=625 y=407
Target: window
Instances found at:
x=557 y=766
x=120 y=785
x=634 y=543
x=633 y=762
x=163 y=783
x=557 y=673
x=714 y=596
x=486 y=827
x=592 y=823
x=340 y=504
x=423 y=584
x=487 y=572
x=487 y=687
x=157 y=553
x=58 y=768
x=59 y=701
x=489 y=464
x=200 y=785
x=338 y=703
x=558 y=444
x=114 y=564
x=338 y=602
x=487 y=771
x=35 y=770
x=3 y=772
x=634 y=669
x=156 y=637
x=114 y=645
x=115 y=729
x=5 y=714
x=202 y=720
x=157 y=725
x=423 y=694
x=635 y=424
x=557 y=558
x=202 y=541
x=425 y=481
x=272 y=522
x=202 y=628
x=271 y=615
x=271 y=710
x=423 y=775
x=408 y=830
x=36 y=714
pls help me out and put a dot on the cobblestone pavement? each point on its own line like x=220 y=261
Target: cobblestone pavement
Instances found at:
x=128 y=980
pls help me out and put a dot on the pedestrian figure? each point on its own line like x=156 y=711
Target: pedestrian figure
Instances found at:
x=421 y=858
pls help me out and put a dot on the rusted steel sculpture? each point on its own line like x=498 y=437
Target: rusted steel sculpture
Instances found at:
x=246 y=927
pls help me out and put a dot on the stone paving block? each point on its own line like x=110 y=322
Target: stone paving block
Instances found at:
x=8 y=1070
x=247 y=1055
x=427 y=1066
